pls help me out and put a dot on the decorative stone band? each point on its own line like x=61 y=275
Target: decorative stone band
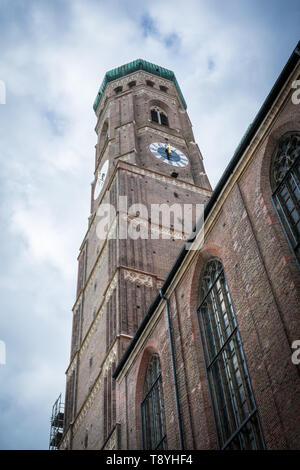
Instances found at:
x=97 y=266
x=130 y=167
x=166 y=179
x=112 y=285
x=72 y=366
x=110 y=358
x=102 y=152
x=128 y=157
x=154 y=228
x=112 y=442
x=138 y=278
x=78 y=301
x=99 y=314
x=170 y=233
x=66 y=440
x=141 y=278
x=125 y=126
x=164 y=98
x=131 y=275
x=178 y=140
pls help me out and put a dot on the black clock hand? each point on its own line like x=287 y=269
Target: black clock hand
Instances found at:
x=168 y=151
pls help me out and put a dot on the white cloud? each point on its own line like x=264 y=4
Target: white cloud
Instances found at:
x=54 y=57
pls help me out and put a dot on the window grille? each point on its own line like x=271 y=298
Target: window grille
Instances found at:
x=234 y=408
x=152 y=408
x=285 y=183
x=160 y=117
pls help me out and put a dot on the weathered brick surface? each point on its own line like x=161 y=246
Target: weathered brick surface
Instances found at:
x=264 y=283
x=120 y=278
x=261 y=272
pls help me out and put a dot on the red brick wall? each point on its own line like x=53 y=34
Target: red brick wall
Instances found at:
x=264 y=283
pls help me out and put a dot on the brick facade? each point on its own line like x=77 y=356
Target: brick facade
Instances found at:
x=119 y=279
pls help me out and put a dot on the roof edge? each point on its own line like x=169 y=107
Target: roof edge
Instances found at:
x=134 y=66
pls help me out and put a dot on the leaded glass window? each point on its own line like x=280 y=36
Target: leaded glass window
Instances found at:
x=154 y=115
x=164 y=119
x=157 y=115
x=233 y=403
x=152 y=408
x=285 y=182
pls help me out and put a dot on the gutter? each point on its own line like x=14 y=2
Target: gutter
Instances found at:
x=245 y=142
x=180 y=430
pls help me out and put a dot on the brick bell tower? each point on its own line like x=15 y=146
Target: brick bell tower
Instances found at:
x=146 y=153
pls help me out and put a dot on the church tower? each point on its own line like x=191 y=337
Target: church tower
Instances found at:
x=145 y=156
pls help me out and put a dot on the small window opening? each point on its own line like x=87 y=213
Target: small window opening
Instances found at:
x=160 y=117
x=164 y=119
x=154 y=115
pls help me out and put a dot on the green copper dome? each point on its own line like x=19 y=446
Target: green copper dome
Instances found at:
x=138 y=64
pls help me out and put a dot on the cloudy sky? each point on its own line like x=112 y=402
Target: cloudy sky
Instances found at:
x=53 y=56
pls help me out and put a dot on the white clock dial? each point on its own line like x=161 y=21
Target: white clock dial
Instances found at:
x=101 y=179
x=168 y=154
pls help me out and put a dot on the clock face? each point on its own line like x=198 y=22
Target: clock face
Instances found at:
x=101 y=179
x=168 y=154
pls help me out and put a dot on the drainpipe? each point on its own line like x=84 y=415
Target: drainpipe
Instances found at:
x=174 y=371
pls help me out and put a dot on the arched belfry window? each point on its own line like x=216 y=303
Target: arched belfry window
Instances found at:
x=152 y=408
x=159 y=116
x=234 y=409
x=285 y=183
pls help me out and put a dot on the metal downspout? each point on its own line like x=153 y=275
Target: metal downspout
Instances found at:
x=174 y=371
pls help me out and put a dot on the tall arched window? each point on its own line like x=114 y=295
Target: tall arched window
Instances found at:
x=152 y=408
x=109 y=408
x=285 y=183
x=157 y=115
x=234 y=408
